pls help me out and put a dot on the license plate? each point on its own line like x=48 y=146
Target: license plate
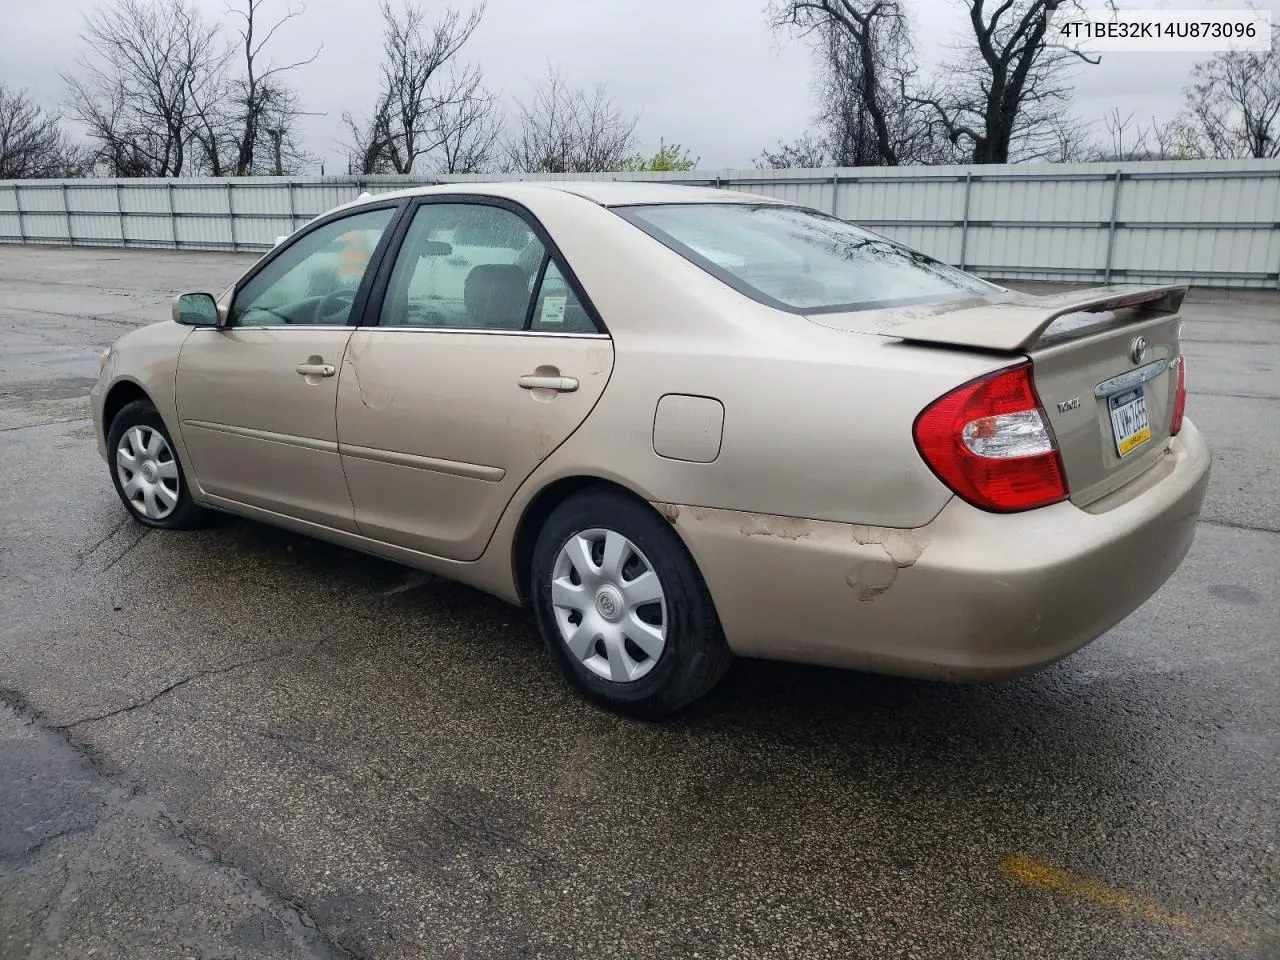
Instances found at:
x=1129 y=420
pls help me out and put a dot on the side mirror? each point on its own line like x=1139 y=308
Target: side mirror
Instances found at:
x=196 y=310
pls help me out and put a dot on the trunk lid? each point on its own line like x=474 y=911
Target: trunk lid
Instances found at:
x=1104 y=365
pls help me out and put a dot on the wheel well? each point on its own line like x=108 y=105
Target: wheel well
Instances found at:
x=122 y=394
x=536 y=514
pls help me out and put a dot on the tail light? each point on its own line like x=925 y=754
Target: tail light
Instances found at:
x=1180 y=397
x=989 y=441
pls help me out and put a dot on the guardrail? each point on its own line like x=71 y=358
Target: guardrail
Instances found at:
x=1212 y=223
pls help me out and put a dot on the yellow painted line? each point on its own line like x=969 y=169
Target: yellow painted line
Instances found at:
x=1030 y=872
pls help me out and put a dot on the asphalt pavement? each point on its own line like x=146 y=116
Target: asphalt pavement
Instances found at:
x=240 y=742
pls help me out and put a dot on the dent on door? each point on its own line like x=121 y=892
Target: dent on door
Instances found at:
x=438 y=430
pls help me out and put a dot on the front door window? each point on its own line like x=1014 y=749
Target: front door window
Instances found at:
x=313 y=282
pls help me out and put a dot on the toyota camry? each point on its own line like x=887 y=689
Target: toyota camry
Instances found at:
x=680 y=424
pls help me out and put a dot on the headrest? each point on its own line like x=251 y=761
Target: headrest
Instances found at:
x=497 y=295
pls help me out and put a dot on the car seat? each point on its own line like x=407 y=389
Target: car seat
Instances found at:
x=496 y=295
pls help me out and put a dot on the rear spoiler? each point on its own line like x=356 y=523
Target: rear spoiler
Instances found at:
x=1016 y=323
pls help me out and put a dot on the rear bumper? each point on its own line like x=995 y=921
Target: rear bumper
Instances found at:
x=971 y=596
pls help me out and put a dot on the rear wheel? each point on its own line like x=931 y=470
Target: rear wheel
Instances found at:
x=622 y=608
x=146 y=472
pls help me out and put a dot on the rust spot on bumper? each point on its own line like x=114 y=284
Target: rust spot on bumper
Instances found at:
x=764 y=525
x=902 y=548
x=669 y=510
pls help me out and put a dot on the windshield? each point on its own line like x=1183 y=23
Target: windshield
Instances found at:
x=801 y=260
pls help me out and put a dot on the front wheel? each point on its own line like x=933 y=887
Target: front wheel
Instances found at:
x=622 y=607
x=146 y=472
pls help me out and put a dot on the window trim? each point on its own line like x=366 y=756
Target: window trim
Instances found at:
x=366 y=281
x=372 y=307
x=759 y=296
x=536 y=292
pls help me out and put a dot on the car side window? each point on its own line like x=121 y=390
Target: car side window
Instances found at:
x=558 y=309
x=463 y=265
x=314 y=280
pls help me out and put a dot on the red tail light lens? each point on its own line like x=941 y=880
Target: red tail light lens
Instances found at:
x=1180 y=397
x=989 y=441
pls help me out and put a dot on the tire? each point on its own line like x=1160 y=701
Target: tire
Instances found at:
x=663 y=675
x=162 y=498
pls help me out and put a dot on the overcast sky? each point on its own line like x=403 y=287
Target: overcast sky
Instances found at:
x=708 y=74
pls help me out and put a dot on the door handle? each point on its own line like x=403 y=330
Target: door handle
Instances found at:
x=531 y=381
x=316 y=369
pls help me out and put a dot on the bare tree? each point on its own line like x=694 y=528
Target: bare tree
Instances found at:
x=1177 y=140
x=265 y=108
x=1127 y=138
x=1233 y=108
x=1004 y=99
x=1063 y=139
x=464 y=126
x=33 y=143
x=145 y=68
x=211 y=123
x=421 y=106
x=866 y=57
x=563 y=129
x=805 y=151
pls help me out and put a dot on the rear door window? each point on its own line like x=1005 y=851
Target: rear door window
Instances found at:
x=464 y=265
x=558 y=309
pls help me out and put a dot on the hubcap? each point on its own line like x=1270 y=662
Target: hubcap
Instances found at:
x=148 y=472
x=609 y=605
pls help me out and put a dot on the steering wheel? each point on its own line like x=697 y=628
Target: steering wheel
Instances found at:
x=334 y=303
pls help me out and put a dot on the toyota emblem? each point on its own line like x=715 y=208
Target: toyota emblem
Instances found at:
x=1138 y=349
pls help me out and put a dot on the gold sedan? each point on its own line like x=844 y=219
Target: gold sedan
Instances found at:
x=680 y=424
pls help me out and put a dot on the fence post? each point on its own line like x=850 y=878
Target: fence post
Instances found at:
x=66 y=213
x=231 y=220
x=124 y=241
x=1111 y=232
x=173 y=217
x=835 y=194
x=964 y=224
x=17 y=205
x=293 y=212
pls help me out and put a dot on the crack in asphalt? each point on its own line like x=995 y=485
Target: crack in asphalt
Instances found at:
x=1255 y=528
x=1236 y=396
x=165 y=691
x=303 y=927
x=311 y=647
x=38 y=847
x=216 y=855
x=43 y=423
x=52 y=912
x=84 y=557
x=127 y=550
x=115 y=317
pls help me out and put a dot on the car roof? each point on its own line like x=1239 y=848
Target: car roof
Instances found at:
x=607 y=193
x=612 y=193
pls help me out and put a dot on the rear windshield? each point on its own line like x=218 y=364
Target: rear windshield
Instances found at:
x=801 y=260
